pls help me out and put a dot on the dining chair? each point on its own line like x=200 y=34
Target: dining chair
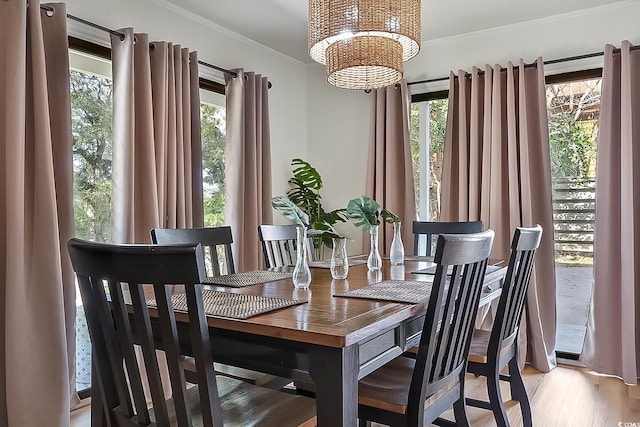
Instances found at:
x=216 y=248
x=127 y=295
x=216 y=245
x=492 y=350
x=415 y=391
x=278 y=244
x=430 y=229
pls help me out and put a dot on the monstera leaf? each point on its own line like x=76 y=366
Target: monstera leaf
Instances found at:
x=290 y=211
x=364 y=212
x=306 y=174
x=389 y=217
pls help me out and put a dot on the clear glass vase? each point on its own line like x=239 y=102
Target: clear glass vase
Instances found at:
x=301 y=273
x=339 y=262
x=396 y=252
x=374 y=262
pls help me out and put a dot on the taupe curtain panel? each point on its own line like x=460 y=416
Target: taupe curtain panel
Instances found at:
x=389 y=166
x=157 y=158
x=36 y=217
x=612 y=343
x=247 y=165
x=497 y=169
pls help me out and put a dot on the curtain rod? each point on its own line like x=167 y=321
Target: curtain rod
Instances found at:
x=121 y=35
x=549 y=62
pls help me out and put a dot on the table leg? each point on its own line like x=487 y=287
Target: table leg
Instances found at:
x=335 y=373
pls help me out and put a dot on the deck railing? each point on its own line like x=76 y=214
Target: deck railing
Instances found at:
x=574 y=214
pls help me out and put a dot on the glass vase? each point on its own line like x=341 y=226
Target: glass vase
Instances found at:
x=374 y=262
x=301 y=273
x=396 y=252
x=339 y=262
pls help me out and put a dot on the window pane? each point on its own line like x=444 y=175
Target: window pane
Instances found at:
x=91 y=112
x=213 y=122
x=428 y=123
x=573 y=111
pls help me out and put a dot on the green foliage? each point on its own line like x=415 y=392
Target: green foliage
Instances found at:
x=436 y=121
x=573 y=126
x=326 y=232
x=290 y=211
x=92 y=152
x=305 y=194
x=212 y=119
x=572 y=147
x=364 y=212
x=389 y=217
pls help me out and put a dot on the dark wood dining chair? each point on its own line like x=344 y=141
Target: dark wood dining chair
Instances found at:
x=431 y=229
x=492 y=350
x=416 y=391
x=116 y=284
x=216 y=248
x=215 y=241
x=278 y=244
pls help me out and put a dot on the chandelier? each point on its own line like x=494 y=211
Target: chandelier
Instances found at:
x=363 y=43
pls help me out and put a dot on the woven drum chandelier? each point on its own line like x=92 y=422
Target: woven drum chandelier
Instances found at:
x=363 y=43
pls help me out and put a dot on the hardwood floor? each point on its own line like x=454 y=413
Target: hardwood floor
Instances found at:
x=565 y=397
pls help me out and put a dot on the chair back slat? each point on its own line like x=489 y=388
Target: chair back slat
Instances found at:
x=514 y=290
x=430 y=229
x=279 y=244
x=446 y=334
x=118 y=316
x=215 y=241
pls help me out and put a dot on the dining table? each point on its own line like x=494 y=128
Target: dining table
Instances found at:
x=325 y=335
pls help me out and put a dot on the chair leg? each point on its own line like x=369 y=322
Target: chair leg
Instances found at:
x=519 y=393
x=460 y=413
x=364 y=423
x=495 y=399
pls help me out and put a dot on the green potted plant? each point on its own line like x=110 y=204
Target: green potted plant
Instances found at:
x=339 y=263
x=306 y=184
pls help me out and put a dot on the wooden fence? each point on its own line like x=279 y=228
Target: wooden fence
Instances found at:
x=574 y=214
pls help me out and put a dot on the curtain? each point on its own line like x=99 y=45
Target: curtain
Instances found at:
x=37 y=354
x=157 y=159
x=389 y=167
x=612 y=343
x=247 y=165
x=497 y=169
x=157 y=166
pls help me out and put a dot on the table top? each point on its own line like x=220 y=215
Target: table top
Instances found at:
x=334 y=321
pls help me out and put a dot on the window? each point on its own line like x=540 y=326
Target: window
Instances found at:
x=573 y=110
x=427 y=128
x=91 y=113
x=213 y=122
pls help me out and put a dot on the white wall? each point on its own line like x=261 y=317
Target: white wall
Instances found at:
x=215 y=45
x=338 y=135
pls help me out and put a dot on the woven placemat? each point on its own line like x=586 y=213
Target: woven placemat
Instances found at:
x=230 y=305
x=327 y=263
x=393 y=290
x=247 y=278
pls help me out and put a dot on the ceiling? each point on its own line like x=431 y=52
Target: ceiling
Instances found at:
x=282 y=24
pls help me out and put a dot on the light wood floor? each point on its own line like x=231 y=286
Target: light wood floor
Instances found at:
x=565 y=397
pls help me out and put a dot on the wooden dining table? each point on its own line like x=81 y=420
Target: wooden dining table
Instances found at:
x=331 y=340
